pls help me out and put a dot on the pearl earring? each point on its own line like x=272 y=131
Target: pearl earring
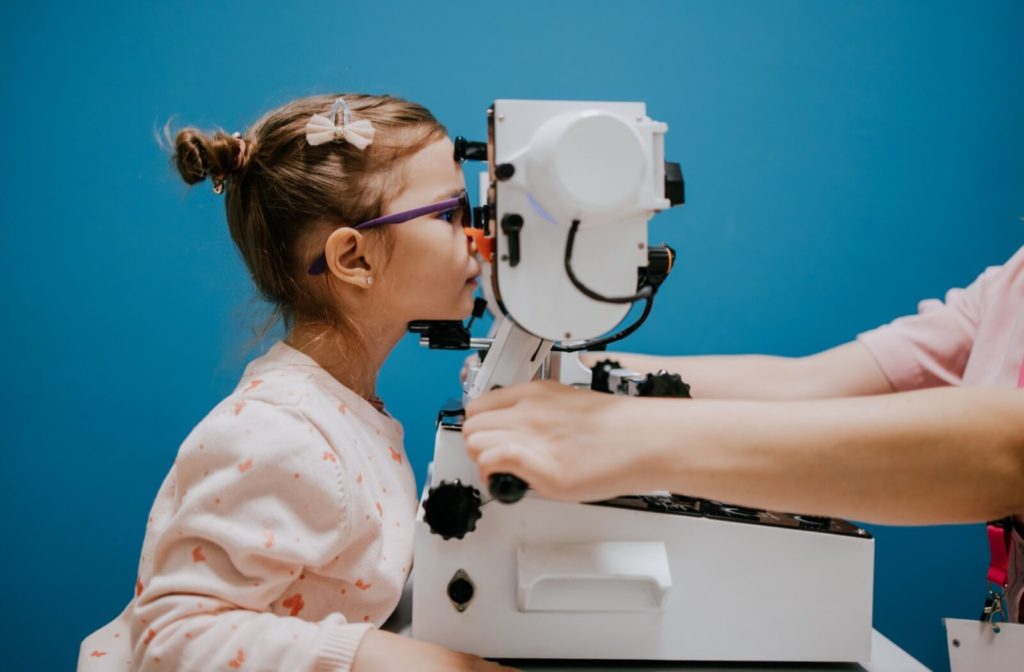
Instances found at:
x=369 y=279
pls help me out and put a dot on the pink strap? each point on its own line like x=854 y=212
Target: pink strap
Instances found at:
x=1020 y=378
x=999 y=548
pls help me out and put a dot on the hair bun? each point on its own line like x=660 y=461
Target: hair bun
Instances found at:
x=198 y=155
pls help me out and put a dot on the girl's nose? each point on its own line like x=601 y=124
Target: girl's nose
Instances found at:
x=479 y=243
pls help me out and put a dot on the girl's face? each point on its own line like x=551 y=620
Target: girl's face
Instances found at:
x=431 y=274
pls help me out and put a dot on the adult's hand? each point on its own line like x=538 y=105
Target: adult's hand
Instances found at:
x=567 y=444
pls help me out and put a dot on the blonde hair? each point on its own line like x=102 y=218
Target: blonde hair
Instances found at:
x=283 y=196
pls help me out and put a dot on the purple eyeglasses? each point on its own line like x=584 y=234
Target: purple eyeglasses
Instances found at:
x=449 y=206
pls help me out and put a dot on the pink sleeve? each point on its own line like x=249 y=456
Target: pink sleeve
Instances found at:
x=218 y=566
x=931 y=348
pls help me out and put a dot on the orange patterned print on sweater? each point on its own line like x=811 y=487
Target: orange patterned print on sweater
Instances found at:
x=380 y=509
x=239 y=406
x=149 y=636
x=245 y=466
x=98 y=654
x=395 y=455
x=362 y=585
x=238 y=660
x=328 y=455
x=138 y=587
x=254 y=384
x=197 y=554
x=294 y=603
x=343 y=408
x=269 y=539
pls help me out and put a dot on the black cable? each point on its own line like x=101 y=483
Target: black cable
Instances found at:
x=599 y=342
x=645 y=292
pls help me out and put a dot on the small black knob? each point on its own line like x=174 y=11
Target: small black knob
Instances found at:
x=452 y=509
x=599 y=375
x=460 y=590
x=506 y=488
x=660 y=261
x=504 y=171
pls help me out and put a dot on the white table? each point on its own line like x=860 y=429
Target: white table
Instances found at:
x=885 y=657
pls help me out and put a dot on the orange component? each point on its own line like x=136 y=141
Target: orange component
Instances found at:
x=484 y=244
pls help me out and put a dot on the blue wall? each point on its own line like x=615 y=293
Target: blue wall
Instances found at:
x=844 y=160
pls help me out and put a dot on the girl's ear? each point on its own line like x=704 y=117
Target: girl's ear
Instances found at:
x=345 y=250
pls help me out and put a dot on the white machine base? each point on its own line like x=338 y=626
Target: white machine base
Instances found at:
x=557 y=580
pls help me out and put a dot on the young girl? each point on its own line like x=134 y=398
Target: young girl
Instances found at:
x=282 y=536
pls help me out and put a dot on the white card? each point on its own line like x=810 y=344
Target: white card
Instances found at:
x=975 y=646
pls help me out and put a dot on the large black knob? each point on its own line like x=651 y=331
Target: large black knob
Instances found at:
x=663 y=384
x=506 y=488
x=452 y=509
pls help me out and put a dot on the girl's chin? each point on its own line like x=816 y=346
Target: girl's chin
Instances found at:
x=458 y=310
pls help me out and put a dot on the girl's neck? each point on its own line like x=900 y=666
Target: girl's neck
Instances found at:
x=352 y=363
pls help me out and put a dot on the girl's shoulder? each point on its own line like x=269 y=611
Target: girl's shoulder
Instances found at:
x=287 y=376
x=284 y=395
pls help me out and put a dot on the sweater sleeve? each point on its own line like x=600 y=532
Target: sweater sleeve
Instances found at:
x=931 y=348
x=261 y=495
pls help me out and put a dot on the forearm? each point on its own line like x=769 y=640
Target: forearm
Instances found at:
x=937 y=456
x=847 y=370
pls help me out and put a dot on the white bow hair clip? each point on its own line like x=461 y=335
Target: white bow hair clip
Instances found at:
x=321 y=129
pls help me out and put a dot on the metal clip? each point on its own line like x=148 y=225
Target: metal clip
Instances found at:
x=995 y=609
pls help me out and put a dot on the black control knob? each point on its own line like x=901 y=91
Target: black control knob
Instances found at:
x=460 y=590
x=506 y=488
x=504 y=171
x=664 y=384
x=452 y=509
x=661 y=259
x=599 y=375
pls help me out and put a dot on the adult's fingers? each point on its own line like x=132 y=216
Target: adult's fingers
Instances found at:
x=517 y=458
x=478 y=442
x=500 y=398
x=507 y=417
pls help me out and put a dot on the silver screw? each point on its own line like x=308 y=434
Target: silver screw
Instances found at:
x=956 y=643
x=568 y=335
x=501 y=117
x=641 y=246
